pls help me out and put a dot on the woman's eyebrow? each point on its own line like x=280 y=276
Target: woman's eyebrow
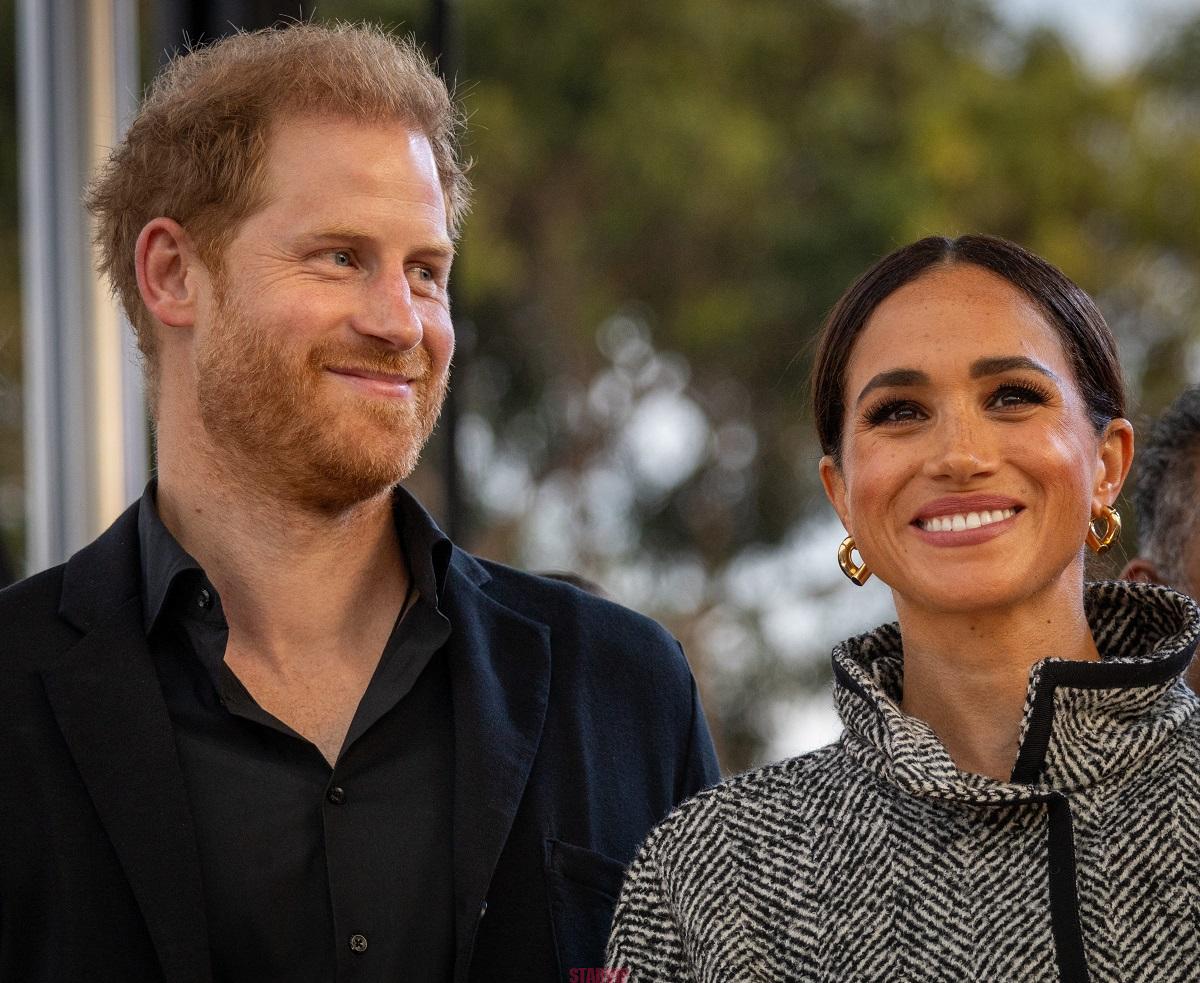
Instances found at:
x=1007 y=363
x=894 y=377
x=979 y=368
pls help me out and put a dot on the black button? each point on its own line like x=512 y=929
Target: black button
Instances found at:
x=483 y=908
x=204 y=599
x=337 y=795
x=358 y=943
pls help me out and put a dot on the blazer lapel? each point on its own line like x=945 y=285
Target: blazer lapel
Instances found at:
x=500 y=678
x=106 y=698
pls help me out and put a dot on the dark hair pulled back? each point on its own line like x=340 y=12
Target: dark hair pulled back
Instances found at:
x=1086 y=338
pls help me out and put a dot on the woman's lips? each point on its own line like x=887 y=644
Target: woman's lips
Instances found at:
x=967 y=527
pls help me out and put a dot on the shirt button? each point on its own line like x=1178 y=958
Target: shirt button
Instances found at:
x=337 y=795
x=204 y=599
x=483 y=909
x=358 y=943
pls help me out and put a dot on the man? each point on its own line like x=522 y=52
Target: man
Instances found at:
x=1165 y=498
x=272 y=725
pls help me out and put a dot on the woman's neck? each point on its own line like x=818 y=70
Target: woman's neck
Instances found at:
x=966 y=673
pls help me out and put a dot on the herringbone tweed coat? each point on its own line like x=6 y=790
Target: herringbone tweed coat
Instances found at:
x=875 y=859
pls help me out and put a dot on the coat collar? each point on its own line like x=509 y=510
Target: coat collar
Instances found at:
x=500 y=679
x=107 y=699
x=1082 y=721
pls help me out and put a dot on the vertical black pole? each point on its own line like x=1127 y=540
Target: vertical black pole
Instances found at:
x=445 y=49
x=207 y=20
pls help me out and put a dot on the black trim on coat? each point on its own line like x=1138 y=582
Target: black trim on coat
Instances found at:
x=1084 y=675
x=1064 y=896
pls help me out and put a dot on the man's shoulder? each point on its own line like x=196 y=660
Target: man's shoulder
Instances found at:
x=34 y=599
x=554 y=600
x=606 y=632
x=30 y=623
x=53 y=608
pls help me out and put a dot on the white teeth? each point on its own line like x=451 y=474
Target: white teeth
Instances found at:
x=966 y=520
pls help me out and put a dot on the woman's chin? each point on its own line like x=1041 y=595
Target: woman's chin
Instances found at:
x=986 y=591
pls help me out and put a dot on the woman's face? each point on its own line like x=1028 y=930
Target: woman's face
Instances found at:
x=969 y=465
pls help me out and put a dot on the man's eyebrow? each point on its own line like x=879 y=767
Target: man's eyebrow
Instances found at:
x=434 y=248
x=893 y=377
x=1007 y=363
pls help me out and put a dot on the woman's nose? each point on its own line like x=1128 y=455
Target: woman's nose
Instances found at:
x=962 y=451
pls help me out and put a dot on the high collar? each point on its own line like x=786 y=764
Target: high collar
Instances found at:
x=1083 y=722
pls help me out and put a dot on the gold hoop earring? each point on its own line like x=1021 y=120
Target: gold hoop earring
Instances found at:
x=1112 y=530
x=857 y=572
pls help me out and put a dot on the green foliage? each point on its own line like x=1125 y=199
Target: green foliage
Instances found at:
x=715 y=174
x=724 y=170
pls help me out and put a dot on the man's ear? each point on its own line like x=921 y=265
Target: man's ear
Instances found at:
x=166 y=263
x=1143 y=571
x=835 y=488
x=1116 y=455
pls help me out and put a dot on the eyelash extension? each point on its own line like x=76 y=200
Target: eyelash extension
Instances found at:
x=878 y=414
x=1036 y=393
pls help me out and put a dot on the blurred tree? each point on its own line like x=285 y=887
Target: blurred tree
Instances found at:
x=715 y=174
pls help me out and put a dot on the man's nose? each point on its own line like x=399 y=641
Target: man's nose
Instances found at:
x=390 y=313
x=964 y=449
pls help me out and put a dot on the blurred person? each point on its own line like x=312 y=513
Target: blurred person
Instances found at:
x=272 y=725
x=1013 y=793
x=1165 y=498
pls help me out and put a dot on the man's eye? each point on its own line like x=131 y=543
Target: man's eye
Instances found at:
x=343 y=257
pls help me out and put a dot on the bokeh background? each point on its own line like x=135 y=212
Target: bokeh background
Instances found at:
x=670 y=195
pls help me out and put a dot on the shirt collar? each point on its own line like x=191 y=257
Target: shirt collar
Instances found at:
x=163 y=560
x=426 y=547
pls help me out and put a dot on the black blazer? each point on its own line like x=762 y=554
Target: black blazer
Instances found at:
x=577 y=727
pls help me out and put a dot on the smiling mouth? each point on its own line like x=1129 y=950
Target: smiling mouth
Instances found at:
x=962 y=521
x=384 y=377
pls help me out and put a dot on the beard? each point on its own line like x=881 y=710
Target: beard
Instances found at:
x=270 y=408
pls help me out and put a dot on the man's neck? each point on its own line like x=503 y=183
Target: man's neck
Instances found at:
x=295 y=584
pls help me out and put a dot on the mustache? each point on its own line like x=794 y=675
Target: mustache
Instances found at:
x=415 y=363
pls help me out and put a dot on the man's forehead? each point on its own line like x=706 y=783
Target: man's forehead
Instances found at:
x=299 y=133
x=318 y=159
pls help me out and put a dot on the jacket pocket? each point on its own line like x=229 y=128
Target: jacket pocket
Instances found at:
x=583 y=887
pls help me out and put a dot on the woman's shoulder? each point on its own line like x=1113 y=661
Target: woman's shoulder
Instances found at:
x=759 y=804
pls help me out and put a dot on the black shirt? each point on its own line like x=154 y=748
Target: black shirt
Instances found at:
x=312 y=872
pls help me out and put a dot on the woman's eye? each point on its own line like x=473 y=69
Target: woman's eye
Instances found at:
x=1015 y=396
x=899 y=411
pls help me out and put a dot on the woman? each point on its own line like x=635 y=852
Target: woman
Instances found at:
x=1016 y=795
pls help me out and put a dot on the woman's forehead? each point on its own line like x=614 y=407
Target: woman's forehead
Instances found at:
x=946 y=320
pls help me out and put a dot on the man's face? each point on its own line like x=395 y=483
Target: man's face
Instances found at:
x=321 y=363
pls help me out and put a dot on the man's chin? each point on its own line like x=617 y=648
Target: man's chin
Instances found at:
x=349 y=474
